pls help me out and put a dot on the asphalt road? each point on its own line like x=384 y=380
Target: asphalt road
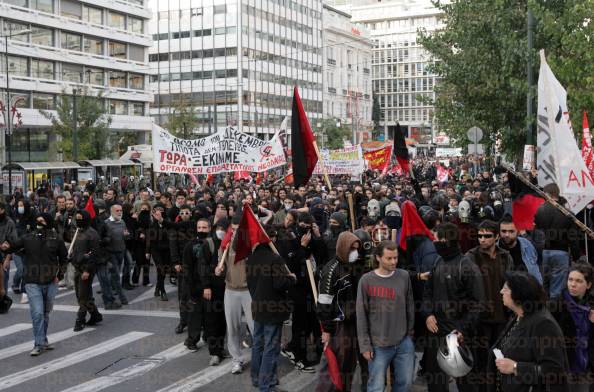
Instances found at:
x=133 y=349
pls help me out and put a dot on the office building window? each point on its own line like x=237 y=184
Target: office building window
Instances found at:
x=94 y=45
x=117 y=21
x=71 y=9
x=117 y=49
x=92 y=15
x=41 y=36
x=44 y=101
x=136 y=81
x=71 y=41
x=42 y=69
x=42 y=5
x=9 y=28
x=136 y=53
x=117 y=79
x=138 y=108
x=17 y=66
x=220 y=9
x=94 y=76
x=72 y=72
x=135 y=25
x=20 y=3
x=118 y=107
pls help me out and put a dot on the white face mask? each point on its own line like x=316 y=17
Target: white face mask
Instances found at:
x=220 y=234
x=21 y=210
x=353 y=256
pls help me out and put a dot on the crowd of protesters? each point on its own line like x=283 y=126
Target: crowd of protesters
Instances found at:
x=398 y=265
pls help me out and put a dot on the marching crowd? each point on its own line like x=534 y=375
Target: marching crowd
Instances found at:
x=369 y=275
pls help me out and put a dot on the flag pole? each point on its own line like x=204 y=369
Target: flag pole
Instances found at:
x=324 y=171
x=351 y=211
x=553 y=202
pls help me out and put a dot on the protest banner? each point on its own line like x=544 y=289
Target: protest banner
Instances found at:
x=378 y=159
x=226 y=151
x=347 y=160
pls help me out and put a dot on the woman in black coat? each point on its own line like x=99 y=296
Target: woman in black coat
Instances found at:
x=574 y=311
x=529 y=355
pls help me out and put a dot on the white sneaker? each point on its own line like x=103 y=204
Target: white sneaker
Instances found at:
x=201 y=343
x=215 y=360
x=24 y=299
x=62 y=283
x=237 y=368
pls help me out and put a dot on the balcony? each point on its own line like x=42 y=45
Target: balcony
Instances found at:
x=32 y=118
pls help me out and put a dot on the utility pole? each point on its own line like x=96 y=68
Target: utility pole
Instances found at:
x=74 y=131
x=530 y=79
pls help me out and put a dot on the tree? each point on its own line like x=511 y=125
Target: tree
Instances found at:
x=183 y=119
x=334 y=132
x=92 y=126
x=481 y=59
x=376 y=116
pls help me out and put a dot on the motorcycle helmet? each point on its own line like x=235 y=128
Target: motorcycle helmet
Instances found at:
x=453 y=359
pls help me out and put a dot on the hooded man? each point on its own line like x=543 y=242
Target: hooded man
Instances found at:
x=337 y=225
x=44 y=265
x=337 y=312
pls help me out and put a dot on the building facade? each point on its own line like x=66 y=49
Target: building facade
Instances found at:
x=235 y=62
x=347 y=73
x=100 y=47
x=401 y=79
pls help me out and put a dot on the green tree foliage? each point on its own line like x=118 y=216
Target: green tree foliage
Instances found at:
x=481 y=58
x=334 y=135
x=93 y=126
x=183 y=119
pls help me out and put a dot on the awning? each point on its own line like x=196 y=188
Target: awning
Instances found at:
x=30 y=166
x=107 y=162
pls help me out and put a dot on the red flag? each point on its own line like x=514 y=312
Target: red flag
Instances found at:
x=90 y=208
x=249 y=234
x=227 y=238
x=303 y=154
x=412 y=224
x=241 y=175
x=442 y=174
x=333 y=368
x=587 y=145
x=525 y=203
x=378 y=159
x=194 y=179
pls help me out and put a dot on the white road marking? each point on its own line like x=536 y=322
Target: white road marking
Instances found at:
x=71 y=291
x=14 y=329
x=150 y=293
x=119 y=312
x=14 y=379
x=52 y=338
x=297 y=381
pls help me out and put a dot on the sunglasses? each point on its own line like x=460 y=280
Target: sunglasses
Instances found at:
x=485 y=235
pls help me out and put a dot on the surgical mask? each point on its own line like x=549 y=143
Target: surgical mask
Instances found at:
x=220 y=234
x=21 y=210
x=40 y=227
x=353 y=256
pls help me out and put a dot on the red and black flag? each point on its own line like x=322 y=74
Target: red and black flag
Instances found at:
x=303 y=153
x=525 y=201
x=249 y=234
x=400 y=149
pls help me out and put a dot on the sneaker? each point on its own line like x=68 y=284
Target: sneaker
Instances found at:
x=237 y=368
x=180 y=328
x=215 y=360
x=201 y=343
x=24 y=299
x=288 y=354
x=124 y=301
x=48 y=347
x=36 y=351
x=95 y=318
x=79 y=325
x=303 y=367
x=62 y=283
x=16 y=290
x=192 y=347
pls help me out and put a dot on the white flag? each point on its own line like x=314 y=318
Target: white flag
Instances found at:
x=559 y=158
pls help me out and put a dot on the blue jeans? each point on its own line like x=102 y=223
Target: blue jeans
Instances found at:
x=41 y=302
x=402 y=357
x=17 y=281
x=117 y=259
x=265 y=353
x=556 y=268
x=104 y=277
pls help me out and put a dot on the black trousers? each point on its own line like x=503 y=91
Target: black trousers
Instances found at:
x=84 y=295
x=215 y=324
x=304 y=324
x=182 y=299
x=163 y=264
x=141 y=265
x=195 y=315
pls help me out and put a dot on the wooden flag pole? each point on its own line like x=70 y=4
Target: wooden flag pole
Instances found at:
x=351 y=211
x=72 y=243
x=394 y=232
x=553 y=202
x=312 y=281
x=324 y=171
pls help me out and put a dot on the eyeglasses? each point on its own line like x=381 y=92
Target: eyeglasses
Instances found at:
x=485 y=235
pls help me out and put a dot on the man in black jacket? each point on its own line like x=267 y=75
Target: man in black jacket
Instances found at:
x=44 y=265
x=268 y=279
x=561 y=238
x=84 y=258
x=452 y=301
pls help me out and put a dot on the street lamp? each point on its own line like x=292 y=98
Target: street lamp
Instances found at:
x=8 y=134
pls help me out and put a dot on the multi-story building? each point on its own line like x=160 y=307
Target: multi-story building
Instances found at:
x=399 y=70
x=100 y=47
x=347 y=73
x=236 y=62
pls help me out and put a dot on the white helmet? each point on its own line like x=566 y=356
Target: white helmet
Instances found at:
x=453 y=359
x=464 y=211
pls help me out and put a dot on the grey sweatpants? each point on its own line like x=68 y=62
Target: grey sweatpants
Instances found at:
x=235 y=302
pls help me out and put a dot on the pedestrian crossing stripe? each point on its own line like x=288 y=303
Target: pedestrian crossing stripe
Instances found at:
x=17 y=378
x=118 y=312
x=52 y=338
x=14 y=329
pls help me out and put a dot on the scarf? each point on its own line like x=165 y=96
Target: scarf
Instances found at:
x=579 y=314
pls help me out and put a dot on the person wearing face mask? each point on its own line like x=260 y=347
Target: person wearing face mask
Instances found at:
x=181 y=233
x=45 y=263
x=453 y=299
x=113 y=238
x=336 y=309
x=85 y=257
x=24 y=221
x=337 y=225
x=141 y=249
